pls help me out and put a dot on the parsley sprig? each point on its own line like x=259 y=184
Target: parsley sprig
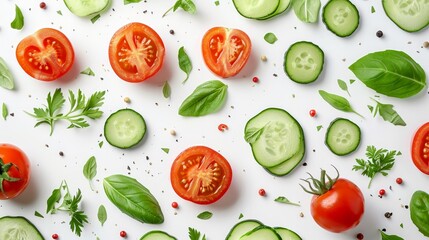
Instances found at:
x=379 y=161
x=80 y=108
x=68 y=204
x=195 y=235
x=187 y=5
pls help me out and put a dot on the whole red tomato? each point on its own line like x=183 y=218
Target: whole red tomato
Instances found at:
x=337 y=204
x=14 y=171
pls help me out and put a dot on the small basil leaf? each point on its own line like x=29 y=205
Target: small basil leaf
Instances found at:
x=54 y=198
x=207 y=98
x=419 y=211
x=270 y=38
x=18 y=22
x=384 y=236
x=337 y=102
x=188 y=6
x=90 y=168
x=133 y=199
x=307 y=10
x=6 y=78
x=205 y=215
x=166 y=90
x=131 y=1
x=343 y=86
x=284 y=200
x=4 y=111
x=184 y=63
x=252 y=134
x=102 y=214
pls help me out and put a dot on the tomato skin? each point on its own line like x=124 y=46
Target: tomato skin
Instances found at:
x=420 y=148
x=136 y=52
x=46 y=54
x=339 y=209
x=226 y=50
x=200 y=175
x=20 y=169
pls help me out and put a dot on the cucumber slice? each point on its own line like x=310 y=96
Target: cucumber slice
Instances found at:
x=341 y=17
x=256 y=8
x=157 y=235
x=274 y=136
x=281 y=8
x=342 y=136
x=18 y=228
x=242 y=228
x=287 y=234
x=286 y=167
x=261 y=232
x=303 y=62
x=124 y=128
x=84 y=8
x=410 y=16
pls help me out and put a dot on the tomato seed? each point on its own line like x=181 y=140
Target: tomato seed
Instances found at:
x=262 y=192
x=54 y=236
x=312 y=113
x=359 y=236
x=255 y=79
x=382 y=192
x=222 y=127
x=42 y=5
x=123 y=234
x=174 y=205
x=399 y=180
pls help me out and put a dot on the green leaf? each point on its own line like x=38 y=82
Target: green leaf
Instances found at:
x=205 y=215
x=131 y=1
x=4 y=111
x=319 y=127
x=337 y=102
x=392 y=73
x=284 y=200
x=194 y=234
x=102 y=214
x=207 y=98
x=188 y=6
x=6 y=78
x=372 y=9
x=37 y=214
x=90 y=168
x=166 y=150
x=389 y=237
x=387 y=112
x=18 y=22
x=59 y=12
x=100 y=144
x=240 y=216
x=252 y=135
x=270 y=38
x=307 y=10
x=133 y=199
x=166 y=90
x=371 y=108
x=52 y=200
x=343 y=86
x=95 y=18
x=88 y=71
x=216 y=3
x=184 y=63
x=419 y=211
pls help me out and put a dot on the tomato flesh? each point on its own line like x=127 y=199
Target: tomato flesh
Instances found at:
x=420 y=148
x=19 y=170
x=45 y=55
x=226 y=51
x=339 y=209
x=201 y=175
x=136 y=52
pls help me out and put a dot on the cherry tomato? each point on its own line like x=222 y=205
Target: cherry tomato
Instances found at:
x=420 y=148
x=226 y=50
x=46 y=54
x=136 y=52
x=14 y=171
x=200 y=175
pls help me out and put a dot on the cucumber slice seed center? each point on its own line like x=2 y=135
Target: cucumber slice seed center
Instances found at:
x=16 y=233
x=343 y=136
x=341 y=15
x=125 y=128
x=304 y=61
x=410 y=7
x=274 y=133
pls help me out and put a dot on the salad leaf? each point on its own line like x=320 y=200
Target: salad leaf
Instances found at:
x=387 y=112
x=6 y=78
x=102 y=214
x=4 y=111
x=270 y=38
x=307 y=10
x=166 y=90
x=184 y=63
x=90 y=169
x=205 y=215
x=18 y=22
x=343 y=86
x=384 y=236
x=337 y=102
x=419 y=211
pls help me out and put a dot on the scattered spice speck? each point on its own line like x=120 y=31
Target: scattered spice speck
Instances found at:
x=426 y=44
x=61 y=153
x=264 y=58
x=388 y=214
x=127 y=100
x=379 y=33
x=301 y=214
x=222 y=127
x=171 y=31
x=173 y=132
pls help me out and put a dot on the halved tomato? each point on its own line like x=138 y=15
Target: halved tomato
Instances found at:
x=136 y=52
x=201 y=175
x=46 y=54
x=420 y=148
x=226 y=50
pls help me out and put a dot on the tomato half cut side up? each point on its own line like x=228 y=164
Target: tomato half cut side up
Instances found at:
x=226 y=50
x=136 y=52
x=46 y=54
x=420 y=148
x=200 y=175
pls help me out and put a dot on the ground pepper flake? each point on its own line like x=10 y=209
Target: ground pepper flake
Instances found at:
x=388 y=214
x=222 y=127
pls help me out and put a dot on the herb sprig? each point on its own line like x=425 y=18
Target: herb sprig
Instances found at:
x=80 y=108
x=187 y=5
x=195 y=235
x=379 y=161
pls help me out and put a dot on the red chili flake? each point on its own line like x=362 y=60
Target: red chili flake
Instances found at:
x=255 y=79
x=222 y=127
x=312 y=113
x=174 y=205
x=42 y=5
x=262 y=192
x=399 y=180
x=123 y=234
x=359 y=236
x=54 y=236
x=382 y=192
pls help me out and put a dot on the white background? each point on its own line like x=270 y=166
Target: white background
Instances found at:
x=245 y=99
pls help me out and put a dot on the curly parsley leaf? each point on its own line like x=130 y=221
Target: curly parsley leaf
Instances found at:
x=378 y=161
x=195 y=235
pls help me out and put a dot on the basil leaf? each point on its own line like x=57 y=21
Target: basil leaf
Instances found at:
x=270 y=38
x=188 y=6
x=18 y=22
x=307 y=10
x=102 y=214
x=392 y=73
x=252 y=134
x=387 y=112
x=343 y=86
x=4 y=111
x=54 y=198
x=337 y=102
x=133 y=199
x=419 y=211
x=207 y=98
x=90 y=168
x=6 y=78
x=205 y=215
x=184 y=63
x=284 y=200
x=131 y=1
x=389 y=237
x=166 y=90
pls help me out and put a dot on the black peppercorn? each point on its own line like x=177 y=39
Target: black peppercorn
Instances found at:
x=379 y=33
